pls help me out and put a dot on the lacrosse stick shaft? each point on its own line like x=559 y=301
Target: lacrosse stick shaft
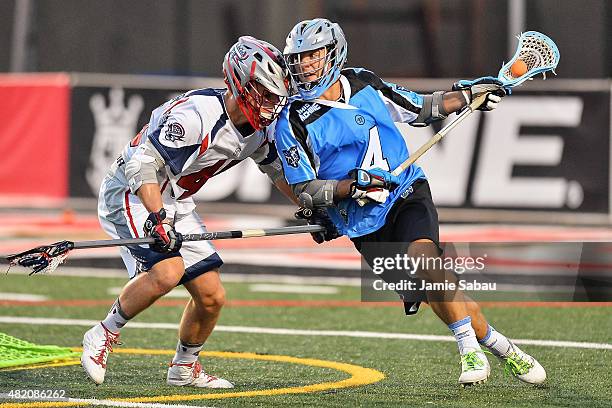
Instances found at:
x=479 y=100
x=206 y=236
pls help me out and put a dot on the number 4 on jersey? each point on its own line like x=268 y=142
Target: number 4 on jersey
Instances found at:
x=374 y=155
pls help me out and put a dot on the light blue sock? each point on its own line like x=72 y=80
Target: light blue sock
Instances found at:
x=465 y=335
x=497 y=343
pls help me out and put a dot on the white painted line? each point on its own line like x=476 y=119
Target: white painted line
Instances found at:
x=300 y=332
x=225 y=277
x=290 y=279
x=274 y=288
x=24 y=297
x=287 y=259
x=111 y=403
x=78 y=272
x=175 y=293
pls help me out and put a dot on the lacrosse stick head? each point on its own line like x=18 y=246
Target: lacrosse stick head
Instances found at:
x=538 y=52
x=42 y=259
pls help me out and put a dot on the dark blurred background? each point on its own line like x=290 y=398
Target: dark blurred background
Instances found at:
x=534 y=157
x=394 y=38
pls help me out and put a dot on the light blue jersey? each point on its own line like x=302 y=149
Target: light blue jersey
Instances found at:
x=325 y=140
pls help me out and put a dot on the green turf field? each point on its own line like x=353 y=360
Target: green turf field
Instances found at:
x=416 y=372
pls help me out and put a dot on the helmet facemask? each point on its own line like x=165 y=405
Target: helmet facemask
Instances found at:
x=320 y=64
x=259 y=105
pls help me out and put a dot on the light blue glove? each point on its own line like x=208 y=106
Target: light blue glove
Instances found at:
x=374 y=178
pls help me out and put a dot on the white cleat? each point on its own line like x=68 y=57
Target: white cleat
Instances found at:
x=475 y=368
x=97 y=344
x=191 y=375
x=524 y=367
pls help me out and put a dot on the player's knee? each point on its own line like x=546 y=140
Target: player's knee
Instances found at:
x=164 y=282
x=423 y=248
x=427 y=251
x=164 y=285
x=165 y=275
x=212 y=302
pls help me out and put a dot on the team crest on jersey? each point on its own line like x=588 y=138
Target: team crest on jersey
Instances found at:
x=293 y=156
x=175 y=132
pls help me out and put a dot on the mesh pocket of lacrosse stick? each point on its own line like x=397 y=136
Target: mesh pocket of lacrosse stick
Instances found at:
x=539 y=53
x=42 y=259
x=41 y=263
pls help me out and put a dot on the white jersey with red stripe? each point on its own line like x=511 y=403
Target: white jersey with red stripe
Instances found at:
x=196 y=140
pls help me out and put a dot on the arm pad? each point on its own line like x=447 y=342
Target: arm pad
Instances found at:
x=142 y=168
x=273 y=170
x=432 y=110
x=315 y=193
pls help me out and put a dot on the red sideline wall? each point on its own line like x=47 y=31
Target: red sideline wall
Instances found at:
x=34 y=135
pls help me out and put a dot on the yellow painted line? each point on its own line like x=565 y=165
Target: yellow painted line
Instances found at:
x=358 y=376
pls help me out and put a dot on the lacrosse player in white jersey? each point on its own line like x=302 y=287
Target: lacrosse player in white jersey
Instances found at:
x=148 y=192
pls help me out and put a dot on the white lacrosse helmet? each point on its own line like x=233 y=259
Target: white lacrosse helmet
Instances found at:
x=310 y=35
x=250 y=62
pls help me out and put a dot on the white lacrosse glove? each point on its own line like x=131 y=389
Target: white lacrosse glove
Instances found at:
x=472 y=89
x=378 y=195
x=372 y=185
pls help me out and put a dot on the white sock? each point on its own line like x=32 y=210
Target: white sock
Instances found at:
x=115 y=319
x=497 y=343
x=465 y=335
x=186 y=353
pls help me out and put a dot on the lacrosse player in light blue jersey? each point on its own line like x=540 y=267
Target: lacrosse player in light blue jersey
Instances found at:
x=338 y=143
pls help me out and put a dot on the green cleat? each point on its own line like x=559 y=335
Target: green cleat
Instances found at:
x=475 y=368
x=524 y=367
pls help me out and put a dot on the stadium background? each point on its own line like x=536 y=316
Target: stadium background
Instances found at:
x=147 y=51
x=78 y=79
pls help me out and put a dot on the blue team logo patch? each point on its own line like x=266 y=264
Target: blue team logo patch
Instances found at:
x=360 y=120
x=292 y=156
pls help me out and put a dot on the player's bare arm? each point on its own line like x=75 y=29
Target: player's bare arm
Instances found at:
x=150 y=196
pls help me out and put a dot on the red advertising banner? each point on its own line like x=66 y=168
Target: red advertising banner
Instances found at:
x=34 y=135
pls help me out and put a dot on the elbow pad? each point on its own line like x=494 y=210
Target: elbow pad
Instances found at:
x=273 y=170
x=142 y=168
x=315 y=193
x=432 y=110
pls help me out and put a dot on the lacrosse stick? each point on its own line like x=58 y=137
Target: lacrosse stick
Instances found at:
x=47 y=258
x=539 y=53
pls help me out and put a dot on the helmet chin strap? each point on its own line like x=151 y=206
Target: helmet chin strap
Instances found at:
x=237 y=113
x=258 y=115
